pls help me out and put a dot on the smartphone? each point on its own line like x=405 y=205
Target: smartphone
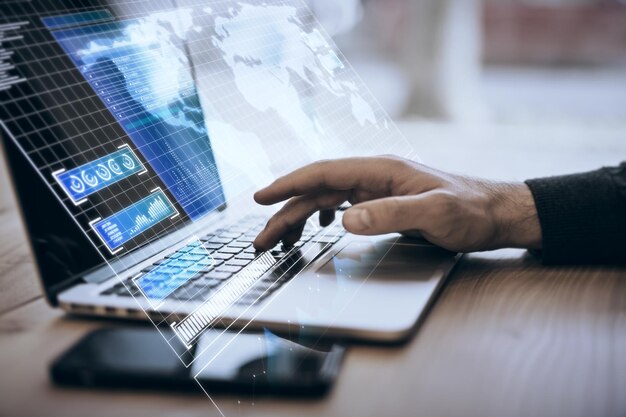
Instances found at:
x=139 y=358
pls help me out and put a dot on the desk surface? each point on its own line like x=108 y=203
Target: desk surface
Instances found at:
x=507 y=336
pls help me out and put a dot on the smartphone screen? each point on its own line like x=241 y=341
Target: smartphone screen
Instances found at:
x=138 y=358
x=265 y=362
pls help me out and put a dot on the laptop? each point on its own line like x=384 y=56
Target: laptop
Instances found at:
x=135 y=134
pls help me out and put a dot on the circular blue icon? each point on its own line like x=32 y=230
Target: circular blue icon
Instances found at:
x=114 y=167
x=89 y=179
x=76 y=184
x=103 y=172
x=128 y=162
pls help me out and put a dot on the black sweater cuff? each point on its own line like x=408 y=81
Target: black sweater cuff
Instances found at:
x=582 y=216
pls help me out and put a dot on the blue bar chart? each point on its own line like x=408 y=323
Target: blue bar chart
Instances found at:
x=134 y=220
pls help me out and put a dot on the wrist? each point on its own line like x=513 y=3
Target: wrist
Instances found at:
x=515 y=214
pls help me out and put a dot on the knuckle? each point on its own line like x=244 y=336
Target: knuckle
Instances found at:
x=321 y=165
x=390 y=160
x=283 y=223
x=321 y=170
x=445 y=201
x=396 y=164
x=278 y=222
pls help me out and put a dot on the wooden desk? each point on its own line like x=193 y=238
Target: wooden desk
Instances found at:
x=506 y=337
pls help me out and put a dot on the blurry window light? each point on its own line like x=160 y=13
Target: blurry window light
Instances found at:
x=337 y=16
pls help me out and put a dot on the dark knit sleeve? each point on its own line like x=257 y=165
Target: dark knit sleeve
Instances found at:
x=583 y=217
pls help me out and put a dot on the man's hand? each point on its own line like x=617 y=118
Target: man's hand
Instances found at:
x=390 y=194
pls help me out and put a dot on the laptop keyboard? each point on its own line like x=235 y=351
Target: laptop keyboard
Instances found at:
x=205 y=265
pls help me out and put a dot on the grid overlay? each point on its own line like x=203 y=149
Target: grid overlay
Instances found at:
x=77 y=127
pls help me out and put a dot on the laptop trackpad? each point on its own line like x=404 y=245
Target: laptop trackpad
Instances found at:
x=385 y=260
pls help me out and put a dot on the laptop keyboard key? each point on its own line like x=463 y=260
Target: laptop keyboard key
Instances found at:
x=228 y=268
x=191 y=257
x=238 y=262
x=212 y=246
x=239 y=244
x=179 y=263
x=220 y=240
x=222 y=256
x=218 y=275
x=199 y=251
x=229 y=235
x=230 y=249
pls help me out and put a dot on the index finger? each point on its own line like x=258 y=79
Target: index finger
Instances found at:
x=337 y=174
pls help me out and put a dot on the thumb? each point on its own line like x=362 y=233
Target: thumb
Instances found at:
x=385 y=215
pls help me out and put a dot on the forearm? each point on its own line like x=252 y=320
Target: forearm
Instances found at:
x=582 y=217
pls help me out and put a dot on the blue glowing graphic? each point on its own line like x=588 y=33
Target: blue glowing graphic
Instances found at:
x=192 y=260
x=141 y=72
x=75 y=19
x=81 y=182
x=134 y=220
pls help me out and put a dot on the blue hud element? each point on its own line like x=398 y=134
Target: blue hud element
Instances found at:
x=75 y=19
x=134 y=220
x=167 y=277
x=92 y=177
x=140 y=70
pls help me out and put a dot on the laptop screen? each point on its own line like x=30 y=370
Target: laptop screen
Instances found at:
x=107 y=110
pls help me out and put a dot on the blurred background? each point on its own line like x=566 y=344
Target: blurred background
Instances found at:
x=496 y=60
x=498 y=81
